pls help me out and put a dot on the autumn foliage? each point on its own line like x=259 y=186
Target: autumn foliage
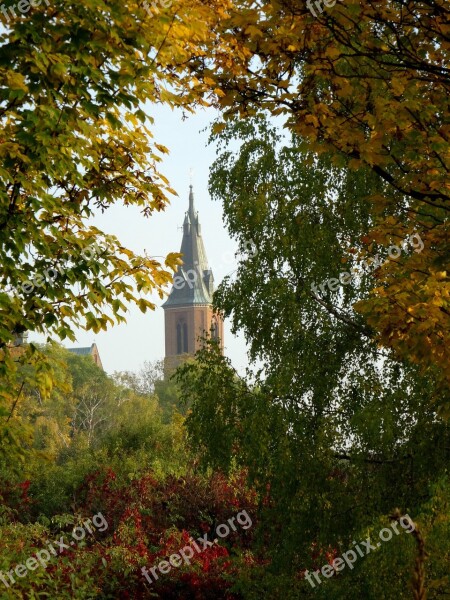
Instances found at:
x=368 y=83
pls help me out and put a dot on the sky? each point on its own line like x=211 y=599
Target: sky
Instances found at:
x=125 y=347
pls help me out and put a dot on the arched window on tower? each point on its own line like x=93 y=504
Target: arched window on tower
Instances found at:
x=182 y=337
x=214 y=329
x=185 y=338
x=179 y=339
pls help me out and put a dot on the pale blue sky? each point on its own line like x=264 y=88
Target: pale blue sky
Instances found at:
x=127 y=346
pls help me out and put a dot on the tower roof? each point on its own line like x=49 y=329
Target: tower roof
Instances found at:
x=193 y=282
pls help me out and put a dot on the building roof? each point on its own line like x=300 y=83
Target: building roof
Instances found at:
x=81 y=351
x=88 y=351
x=194 y=281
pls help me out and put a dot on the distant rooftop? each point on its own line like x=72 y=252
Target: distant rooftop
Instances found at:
x=88 y=351
x=81 y=351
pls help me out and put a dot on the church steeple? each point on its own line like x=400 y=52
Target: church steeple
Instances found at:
x=194 y=282
x=188 y=309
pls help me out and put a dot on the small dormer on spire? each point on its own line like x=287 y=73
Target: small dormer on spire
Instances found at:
x=187 y=225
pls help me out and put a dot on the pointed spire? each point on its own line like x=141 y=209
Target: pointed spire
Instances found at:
x=191 y=203
x=198 y=283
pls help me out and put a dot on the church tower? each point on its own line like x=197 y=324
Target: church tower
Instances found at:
x=188 y=312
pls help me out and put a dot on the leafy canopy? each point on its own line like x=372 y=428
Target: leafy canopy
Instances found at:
x=368 y=84
x=76 y=81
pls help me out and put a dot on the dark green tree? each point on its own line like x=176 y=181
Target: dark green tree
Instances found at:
x=337 y=430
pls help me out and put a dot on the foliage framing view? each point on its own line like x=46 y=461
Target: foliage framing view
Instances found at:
x=346 y=422
x=369 y=83
x=75 y=80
